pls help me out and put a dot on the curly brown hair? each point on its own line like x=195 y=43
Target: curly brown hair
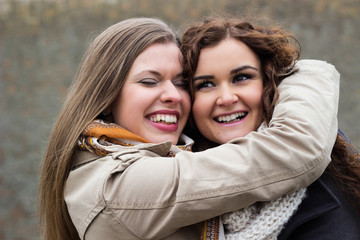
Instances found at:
x=278 y=51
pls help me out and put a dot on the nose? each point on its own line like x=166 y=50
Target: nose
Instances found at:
x=226 y=96
x=170 y=93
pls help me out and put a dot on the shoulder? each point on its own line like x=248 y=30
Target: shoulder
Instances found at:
x=323 y=214
x=319 y=66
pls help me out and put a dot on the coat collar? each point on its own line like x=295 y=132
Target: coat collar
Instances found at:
x=162 y=149
x=320 y=200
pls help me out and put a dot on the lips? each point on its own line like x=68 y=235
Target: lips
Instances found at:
x=230 y=118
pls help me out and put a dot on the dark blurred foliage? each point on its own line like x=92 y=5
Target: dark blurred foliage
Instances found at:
x=42 y=42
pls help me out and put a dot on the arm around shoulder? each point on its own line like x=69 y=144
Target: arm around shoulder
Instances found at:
x=311 y=98
x=300 y=137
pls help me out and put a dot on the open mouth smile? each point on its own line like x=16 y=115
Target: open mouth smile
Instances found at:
x=163 y=118
x=234 y=117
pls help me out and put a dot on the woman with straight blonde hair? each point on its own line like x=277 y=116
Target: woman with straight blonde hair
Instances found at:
x=112 y=171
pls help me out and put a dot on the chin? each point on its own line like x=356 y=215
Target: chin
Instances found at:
x=174 y=140
x=225 y=140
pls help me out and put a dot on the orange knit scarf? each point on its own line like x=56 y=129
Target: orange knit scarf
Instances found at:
x=99 y=134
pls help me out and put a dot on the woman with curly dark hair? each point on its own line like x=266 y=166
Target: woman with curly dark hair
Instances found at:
x=235 y=70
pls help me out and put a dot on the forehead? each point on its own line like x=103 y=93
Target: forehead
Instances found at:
x=158 y=54
x=230 y=51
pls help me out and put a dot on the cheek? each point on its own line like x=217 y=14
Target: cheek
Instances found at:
x=116 y=110
x=130 y=101
x=256 y=101
x=255 y=94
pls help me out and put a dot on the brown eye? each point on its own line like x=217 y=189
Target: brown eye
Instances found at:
x=241 y=77
x=204 y=84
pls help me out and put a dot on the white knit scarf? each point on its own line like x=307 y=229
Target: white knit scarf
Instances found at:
x=263 y=220
x=260 y=221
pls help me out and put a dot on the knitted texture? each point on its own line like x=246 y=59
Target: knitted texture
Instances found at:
x=262 y=220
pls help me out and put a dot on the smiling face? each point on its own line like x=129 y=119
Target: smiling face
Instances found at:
x=154 y=102
x=228 y=87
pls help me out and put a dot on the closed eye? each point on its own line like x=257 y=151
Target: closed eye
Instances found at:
x=182 y=83
x=148 y=81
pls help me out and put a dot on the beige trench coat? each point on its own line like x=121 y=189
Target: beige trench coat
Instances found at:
x=137 y=193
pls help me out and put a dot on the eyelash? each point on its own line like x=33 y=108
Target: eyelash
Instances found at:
x=243 y=76
x=148 y=82
x=182 y=83
x=205 y=83
x=201 y=84
x=152 y=82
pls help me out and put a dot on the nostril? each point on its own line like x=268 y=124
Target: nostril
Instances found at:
x=227 y=99
x=171 y=98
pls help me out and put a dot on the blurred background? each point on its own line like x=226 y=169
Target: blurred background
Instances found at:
x=42 y=42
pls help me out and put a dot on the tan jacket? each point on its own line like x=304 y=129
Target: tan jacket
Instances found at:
x=137 y=193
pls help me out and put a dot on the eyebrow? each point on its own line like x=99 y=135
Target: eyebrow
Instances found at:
x=231 y=72
x=203 y=77
x=180 y=74
x=242 y=68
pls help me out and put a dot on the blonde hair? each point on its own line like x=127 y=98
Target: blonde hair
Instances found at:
x=101 y=75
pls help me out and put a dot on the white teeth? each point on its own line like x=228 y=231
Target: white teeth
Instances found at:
x=231 y=117
x=168 y=119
